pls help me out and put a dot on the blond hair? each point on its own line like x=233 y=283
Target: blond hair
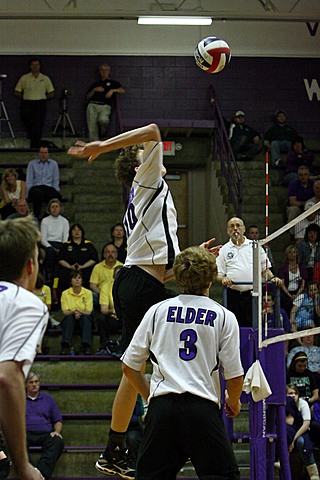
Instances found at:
x=6 y=174
x=195 y=269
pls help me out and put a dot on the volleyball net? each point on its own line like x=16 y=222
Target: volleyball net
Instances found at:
x=263 y=332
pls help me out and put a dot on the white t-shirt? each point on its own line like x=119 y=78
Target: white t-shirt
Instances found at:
x=23 y=320
x=236 y=262
x=187 y=337
x=151 y=219
x=54 y=229
x=304 y=408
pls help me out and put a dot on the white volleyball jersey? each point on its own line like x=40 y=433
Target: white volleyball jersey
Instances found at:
x=151 y=220
x=23 y=321
x=188 y=338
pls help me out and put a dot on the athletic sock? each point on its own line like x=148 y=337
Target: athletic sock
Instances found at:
x=116 y=445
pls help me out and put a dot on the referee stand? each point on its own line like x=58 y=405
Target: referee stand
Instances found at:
x=267 y=418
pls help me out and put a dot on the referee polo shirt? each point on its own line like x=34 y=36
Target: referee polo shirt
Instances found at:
x=236 y=262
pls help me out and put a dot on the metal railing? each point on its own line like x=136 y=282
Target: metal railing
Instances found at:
x=223 y=152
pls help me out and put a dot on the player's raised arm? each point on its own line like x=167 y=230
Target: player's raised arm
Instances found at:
x=93 y=149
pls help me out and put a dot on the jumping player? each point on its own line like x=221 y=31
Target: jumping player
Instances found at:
x=187 y=339
x=151 y=228
x=23 y=320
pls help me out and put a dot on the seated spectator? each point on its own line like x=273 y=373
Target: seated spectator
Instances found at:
x=309 y=248
x=244 y=140
x=44 y=293
x=294 y=276
x=103 y=272
x=278 y=138
x=76 y=306
x=12 y=190
x=300 y=227
x=77 y=254
x=316 y=191
x=253 y=233
x=299 y=192
x=119 y=240
x=298 y=417
x=22 y=210
x=44 y=426
x=313 y=352
x=306 y=308
x=54 y=232
x=297 y=156
x=108 y=322
x=269 y=310
x=299 y=374
x=42 y=180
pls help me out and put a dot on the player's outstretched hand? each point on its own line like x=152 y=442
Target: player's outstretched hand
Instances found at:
x=86 y=150
x=215 y=250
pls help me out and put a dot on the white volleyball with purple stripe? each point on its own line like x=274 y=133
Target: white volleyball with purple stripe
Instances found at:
x=212 y=54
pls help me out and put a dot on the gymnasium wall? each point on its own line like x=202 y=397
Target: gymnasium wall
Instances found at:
x=274 y=65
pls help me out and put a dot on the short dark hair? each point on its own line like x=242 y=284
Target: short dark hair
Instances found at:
x=34 y=59
x=74 y=274
x=80 y=228
x=313 y=227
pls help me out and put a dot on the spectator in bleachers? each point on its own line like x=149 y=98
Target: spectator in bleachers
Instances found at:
x=298 y=155
x=305 y=311
x=298 y=417
x=309 y=248
x=76 y=306
x=108 y=321
x=278 y=138
x=269 y=310
x=316 y=191
x=22 y=210
x=253 y=233
x=12 y=190
x=294 y=276
x=54 y=232
x=44 y=425
x=76 y=254
x=244 y=140
x=300 y=227
x=313 y=352
x=42 y=180
x=99 y=97
x=119 y=240
x=103 y=272
x=299 y=192
x=299 y=374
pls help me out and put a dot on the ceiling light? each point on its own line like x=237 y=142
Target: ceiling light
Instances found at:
x=174 y=20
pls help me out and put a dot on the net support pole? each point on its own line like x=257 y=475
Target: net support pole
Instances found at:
x=256 y=291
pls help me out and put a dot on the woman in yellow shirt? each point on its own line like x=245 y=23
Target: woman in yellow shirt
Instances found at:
x=76 y=306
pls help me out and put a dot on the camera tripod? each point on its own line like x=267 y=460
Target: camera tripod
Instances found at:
x=4 y=117
x=64 y=119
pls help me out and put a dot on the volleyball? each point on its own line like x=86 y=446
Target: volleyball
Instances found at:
x=212 y=54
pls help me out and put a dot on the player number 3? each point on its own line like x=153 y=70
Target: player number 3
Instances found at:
x=189 y=352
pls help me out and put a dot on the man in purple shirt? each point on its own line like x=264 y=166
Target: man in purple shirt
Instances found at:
x=44 y=425
x=299 y=191
x=42 y=180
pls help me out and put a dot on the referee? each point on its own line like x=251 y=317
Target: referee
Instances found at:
x=235 y=271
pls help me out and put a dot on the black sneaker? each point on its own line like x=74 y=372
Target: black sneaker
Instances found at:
x=119 y=467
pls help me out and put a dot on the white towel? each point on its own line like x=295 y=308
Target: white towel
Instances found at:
x=256 y=383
